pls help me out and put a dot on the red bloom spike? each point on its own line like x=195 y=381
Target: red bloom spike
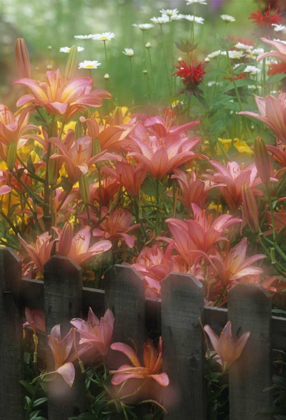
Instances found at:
x=266 y=19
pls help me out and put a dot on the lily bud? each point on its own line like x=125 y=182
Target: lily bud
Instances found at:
x=78 y=130
x=22 y=59
x=250 y=210
x=117 y=116
x=71 y=66
x=65 y=241
x=96 y=147
x=261 y=159
x=84 y=189
x=11 y=156
x=53 y=173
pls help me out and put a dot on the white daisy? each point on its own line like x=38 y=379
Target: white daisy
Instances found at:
x=68 y=49
x=196 y=19
x=169 y=12
x=105 y=36
x=223 y=53
x=235 y=54
x=177 y=17
x=160 y=20
x=196 y=1
x=279 y=28
x=88 y=64
x=90 y=36
x=143 y=26
x=207 y=60
x=214 y=54
x=242 y=46
x=227 y=18
x=129 y=52
x=252 y=70
x=255 y=52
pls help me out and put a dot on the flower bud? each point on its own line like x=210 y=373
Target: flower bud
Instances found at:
x=53 y=172
x=261 y=159
x=84 y=189
x=96 y=147
x=22 y=59
x=71 y=66
x=250 y=210
x=65 y=241
x=117 y=116
x=11 y=156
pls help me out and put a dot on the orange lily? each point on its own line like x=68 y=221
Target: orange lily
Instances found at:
x=152 y=361
x=226 y=346
x=61 y=97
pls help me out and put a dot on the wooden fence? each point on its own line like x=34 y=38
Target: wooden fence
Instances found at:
x=176 y=315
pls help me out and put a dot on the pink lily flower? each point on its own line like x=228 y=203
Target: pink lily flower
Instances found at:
x=61 y=349
x=109 y=188
x=233 y=177
x=35 y=319
x=41 y=251
x=272 y=113
x=12 y=129
x=183 y=243
x=161 y=155
x=97 y=333
x=193 y=190
x=201 y=233
x=154 y=265
x=152 y=364
x=61 y=97
x=78 y=156
x=234 y=265
x=204 y=232
x=280 y=52
x=116 y=224
x=226 y=346
x=130 y=177
x=78 y=248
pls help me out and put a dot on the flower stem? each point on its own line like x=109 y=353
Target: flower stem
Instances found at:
x=166 y=63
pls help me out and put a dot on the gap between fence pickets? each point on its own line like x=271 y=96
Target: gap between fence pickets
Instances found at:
x=32 y=296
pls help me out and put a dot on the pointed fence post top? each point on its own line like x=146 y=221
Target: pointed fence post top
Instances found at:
x=249 y=290
x=58 y=262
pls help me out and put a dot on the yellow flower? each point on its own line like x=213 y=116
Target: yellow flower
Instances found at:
x=225 y=143
x=242 y=147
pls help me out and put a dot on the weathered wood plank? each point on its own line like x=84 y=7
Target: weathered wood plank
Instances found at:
x=183 y=347
x=63 y=301
x=124 y=295
x=11 y=333
x=249 y=309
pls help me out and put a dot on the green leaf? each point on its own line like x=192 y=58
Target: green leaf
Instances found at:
x=40 y=401
x=28 y=387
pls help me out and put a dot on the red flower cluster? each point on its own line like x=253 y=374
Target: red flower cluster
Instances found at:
x=277 y=68
x=266 y=19
x=191 y=76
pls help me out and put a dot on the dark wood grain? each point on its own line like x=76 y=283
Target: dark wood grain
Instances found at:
x=11 y=333
x=63 y=301
x=249 y=309
x=124 y=295
x=183 y=347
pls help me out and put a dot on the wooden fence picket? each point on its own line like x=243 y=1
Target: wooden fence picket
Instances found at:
x=124 y=295
x=183 y=347
x=249 y=309
x=11 y=336
x=63 y=301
